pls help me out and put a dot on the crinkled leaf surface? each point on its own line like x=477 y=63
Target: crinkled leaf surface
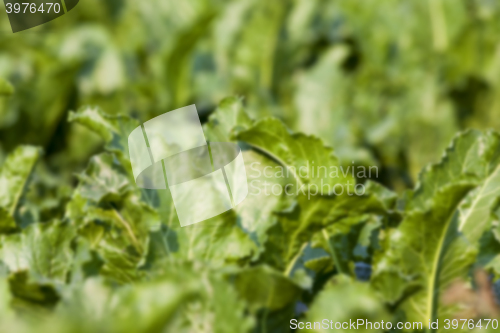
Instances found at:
x=14 y=176
x=113 y=129
x=41 y=249
x=438 y=239
x=108 y=211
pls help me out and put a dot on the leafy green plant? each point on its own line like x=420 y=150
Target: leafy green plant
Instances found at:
x=126 y=244
x=386 y=84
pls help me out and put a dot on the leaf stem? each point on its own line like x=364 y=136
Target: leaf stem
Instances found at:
x=280 y=161
x=292 y=263
x=129 y=230
x=335 y=258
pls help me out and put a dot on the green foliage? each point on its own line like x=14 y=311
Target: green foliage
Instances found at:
x=114 y=130
x=360 y=302
x=14 y=175
x=445 y=217
x=316 y=86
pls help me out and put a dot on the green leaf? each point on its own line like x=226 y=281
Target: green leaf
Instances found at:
x=305 y=157
x=110 y=214
x=324 y=88
x=114 y=130
x=470 y=158
x=178 y=301
x=322 y=219
x=6 y=312
x=104 y=180
x=254 y=25
x=219 y=241
x=228 y=117
x=438 y=239
x=287 y=155
x=255 y=213
x=42 y=249
x=14 y=176
x=295 y=229
x=299 y=165
x=118 y=235
x=349 y=240
x=489 y=253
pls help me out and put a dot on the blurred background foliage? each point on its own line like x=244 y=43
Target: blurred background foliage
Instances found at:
x=384 y=83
